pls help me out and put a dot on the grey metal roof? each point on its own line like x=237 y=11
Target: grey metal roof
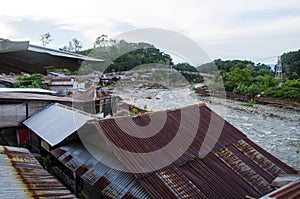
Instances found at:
x=11 y=46
x=60 y=53
x=25 y=96
x=23 y=57
x=21 y=176
x=111 y=182
x=56 y=122
x=27 y=90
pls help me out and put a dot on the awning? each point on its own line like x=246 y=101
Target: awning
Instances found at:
x=23 y=57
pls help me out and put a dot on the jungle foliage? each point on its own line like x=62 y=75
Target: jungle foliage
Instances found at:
x=250 y=79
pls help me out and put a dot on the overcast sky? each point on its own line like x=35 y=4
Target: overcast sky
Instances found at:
x=256 y=30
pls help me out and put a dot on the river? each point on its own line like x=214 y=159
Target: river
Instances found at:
x=274 y=129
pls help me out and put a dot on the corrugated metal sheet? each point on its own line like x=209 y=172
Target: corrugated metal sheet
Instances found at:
x=17 y=96
x=12 y=46
x=111 y=182
x=88 y=95
x=56 y=122
x=290 y=191
x=234 y=168
x=37 y=59
x=21 y=176
x=26 y=90
x=60 y=53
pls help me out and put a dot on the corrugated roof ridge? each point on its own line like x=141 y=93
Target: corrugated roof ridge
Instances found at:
x=149 y=113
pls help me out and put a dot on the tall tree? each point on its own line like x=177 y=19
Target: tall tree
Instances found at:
x=74 y=46
x=46 y=39
x=77 y=45
x=100 y=40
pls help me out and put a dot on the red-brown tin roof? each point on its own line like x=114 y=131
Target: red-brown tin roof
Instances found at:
x=234 y=168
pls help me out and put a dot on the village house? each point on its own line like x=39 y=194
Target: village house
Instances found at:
x=17 y=105
x=235 y=167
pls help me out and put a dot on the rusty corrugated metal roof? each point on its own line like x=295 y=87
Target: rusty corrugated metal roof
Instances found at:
x=234 y=168
x=290 y=191
x=88 y=95
x=21 y=176
x=111 y=182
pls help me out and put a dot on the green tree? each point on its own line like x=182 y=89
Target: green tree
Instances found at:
x=291 y=64
x=30 y=81
x=237 y=75
x=74 y=46
x=46 y=39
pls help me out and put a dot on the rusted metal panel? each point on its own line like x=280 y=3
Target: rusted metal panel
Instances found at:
x=111 y=182
x=284 y=167
x=245 y=171
x=179 y=184
x=235 y=167
x=115 y=135
x=23 y=177
x=227 y=177
x=258 y=158
x=290 y=191
x=280 y=103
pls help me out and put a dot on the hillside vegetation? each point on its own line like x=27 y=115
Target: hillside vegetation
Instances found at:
x=250 y=79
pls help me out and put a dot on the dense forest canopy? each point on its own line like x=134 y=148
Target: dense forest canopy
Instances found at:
x=291 y=64
x=250 y=79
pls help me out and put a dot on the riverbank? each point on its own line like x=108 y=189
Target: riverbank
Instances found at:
x=264 y=110
x=162 y=99
x=274 y=129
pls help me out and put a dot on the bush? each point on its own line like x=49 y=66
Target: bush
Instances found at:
x=284 y=93
x=30 y=81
